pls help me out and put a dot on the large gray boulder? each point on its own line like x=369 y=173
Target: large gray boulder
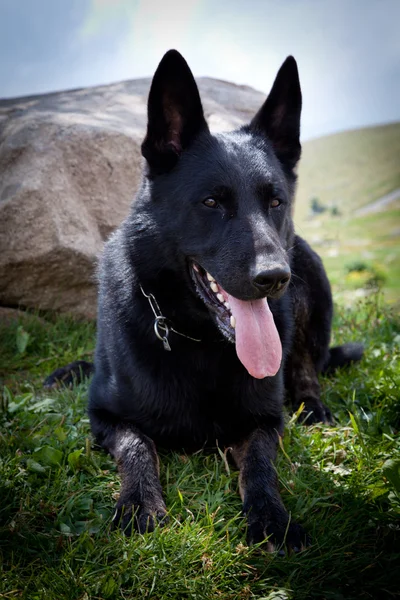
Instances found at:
x=70 y=166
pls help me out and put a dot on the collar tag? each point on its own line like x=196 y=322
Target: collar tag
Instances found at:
x=166 y=344
x=162 y=331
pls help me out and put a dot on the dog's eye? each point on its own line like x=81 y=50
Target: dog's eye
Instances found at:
x=210 y=203
x=275 y=202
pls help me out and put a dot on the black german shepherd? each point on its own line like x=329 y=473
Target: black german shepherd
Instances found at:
x=209 y=305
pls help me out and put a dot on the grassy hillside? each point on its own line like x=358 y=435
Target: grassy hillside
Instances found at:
x=338 y=175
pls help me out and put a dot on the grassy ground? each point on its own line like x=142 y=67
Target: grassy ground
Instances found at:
x=370 y=242
x=57 y=493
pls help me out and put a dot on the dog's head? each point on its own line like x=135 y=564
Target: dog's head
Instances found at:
x=226 y=201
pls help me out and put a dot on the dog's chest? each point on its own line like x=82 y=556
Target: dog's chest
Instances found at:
x=194 y=406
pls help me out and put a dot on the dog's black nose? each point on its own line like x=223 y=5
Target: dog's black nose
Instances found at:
x=272 y=281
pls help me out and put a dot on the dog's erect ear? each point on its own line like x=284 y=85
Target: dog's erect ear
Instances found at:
x=175 y=113
x=279 y=116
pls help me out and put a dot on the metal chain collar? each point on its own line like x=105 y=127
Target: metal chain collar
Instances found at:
x=161 y=328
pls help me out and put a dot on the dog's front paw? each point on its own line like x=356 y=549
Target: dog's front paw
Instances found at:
x=315 y=412
x=277 y=535
x=138 y=516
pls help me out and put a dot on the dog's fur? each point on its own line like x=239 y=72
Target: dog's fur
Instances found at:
x=221 y=204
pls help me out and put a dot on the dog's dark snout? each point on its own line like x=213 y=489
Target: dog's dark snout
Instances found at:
x=272 y=281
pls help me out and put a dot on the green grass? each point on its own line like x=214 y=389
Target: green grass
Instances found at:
x=373 y=239
x=57 y=493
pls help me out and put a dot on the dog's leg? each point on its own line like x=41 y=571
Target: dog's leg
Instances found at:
x=303 y=386
x=140 y=504
x=312 y=312
x=68 y=376
x=258 y=484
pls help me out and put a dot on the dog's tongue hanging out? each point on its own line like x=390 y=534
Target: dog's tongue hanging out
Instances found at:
x=258 y=344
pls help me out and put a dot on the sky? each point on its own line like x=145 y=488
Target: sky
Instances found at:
x=348 y=51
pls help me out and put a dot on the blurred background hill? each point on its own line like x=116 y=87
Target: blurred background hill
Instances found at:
x=348 y=208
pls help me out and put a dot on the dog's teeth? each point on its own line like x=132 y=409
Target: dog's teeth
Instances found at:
x=233 y=321
x=214 y=287
x=220 y=298
x=210 y=277
x=227 y=305
x=196 y=268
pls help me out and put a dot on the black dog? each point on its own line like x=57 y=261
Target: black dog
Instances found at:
x=209 y=305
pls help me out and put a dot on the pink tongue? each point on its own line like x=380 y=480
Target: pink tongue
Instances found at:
x=258 y=345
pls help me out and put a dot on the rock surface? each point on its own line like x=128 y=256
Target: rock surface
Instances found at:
x=70 y=165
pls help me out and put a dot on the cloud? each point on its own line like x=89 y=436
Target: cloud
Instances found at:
x=348 y=52
x=101 y=13
x=148 y=24
x=157 y=26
